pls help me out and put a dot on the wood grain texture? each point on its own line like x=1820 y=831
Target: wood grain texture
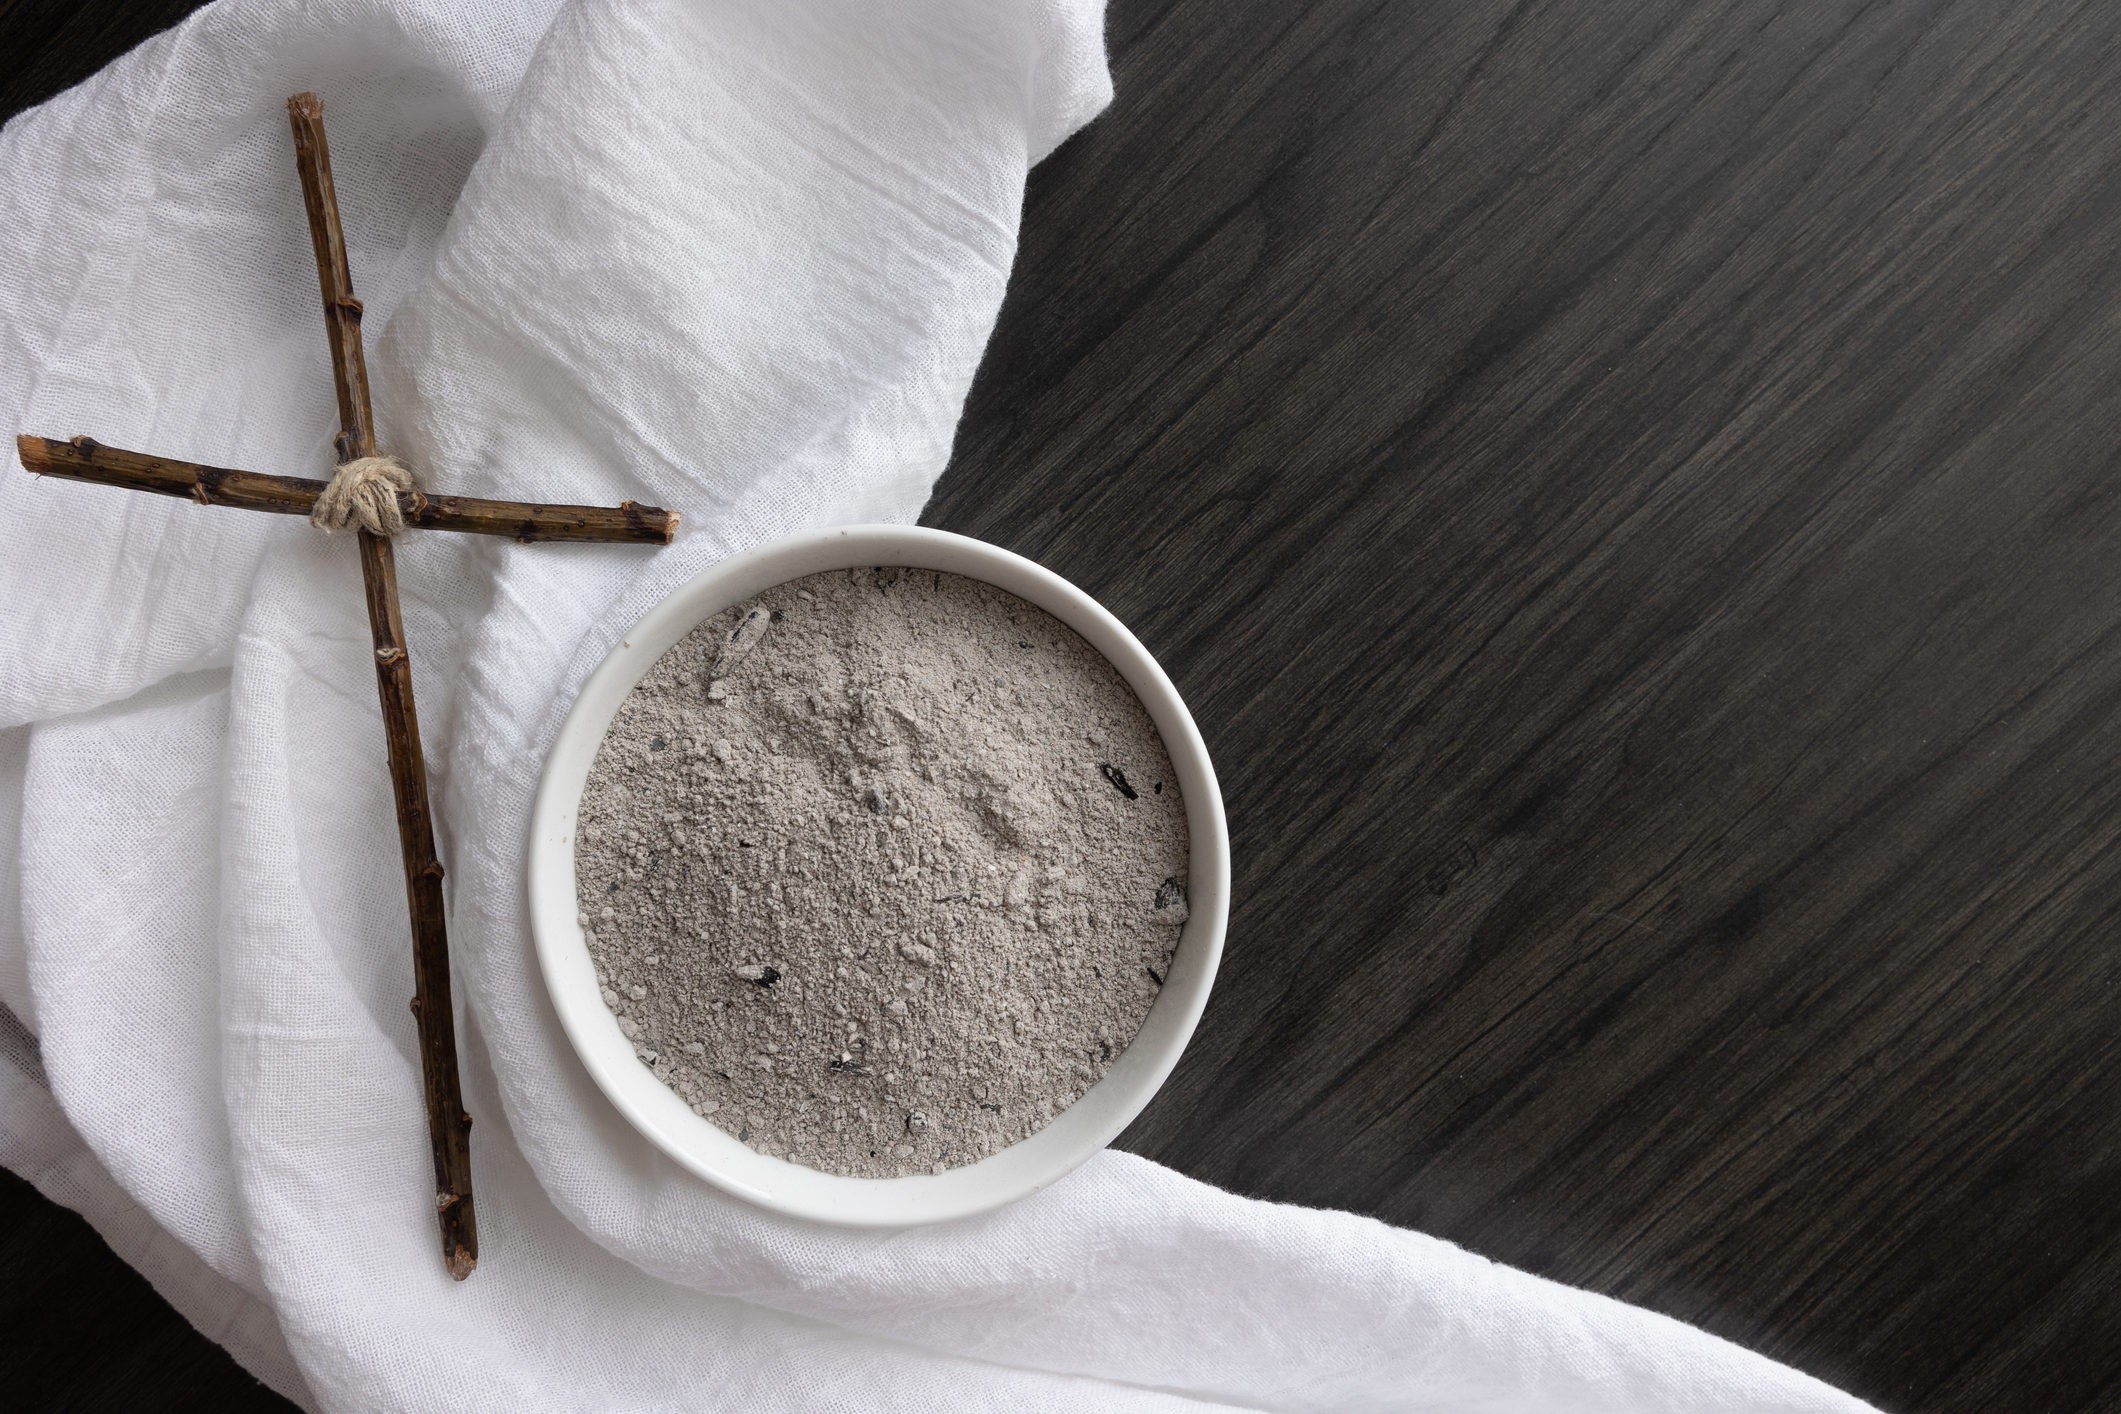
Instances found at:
x=80 y=1330
x=51 y=45
x=1628 y=492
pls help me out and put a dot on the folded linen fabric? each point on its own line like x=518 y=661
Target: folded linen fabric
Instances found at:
x=739 y=258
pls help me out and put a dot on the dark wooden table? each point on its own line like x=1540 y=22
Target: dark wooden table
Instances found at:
x=1630 y=493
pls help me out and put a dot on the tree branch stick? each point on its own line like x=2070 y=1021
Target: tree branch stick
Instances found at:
x=449 y=1127
x=83 y=459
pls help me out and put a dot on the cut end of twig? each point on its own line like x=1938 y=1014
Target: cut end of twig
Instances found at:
x=36 y=452
x=650 y=522
x=305 y=105
x=460 y=1233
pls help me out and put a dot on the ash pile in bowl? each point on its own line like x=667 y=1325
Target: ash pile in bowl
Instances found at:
x=881 y=871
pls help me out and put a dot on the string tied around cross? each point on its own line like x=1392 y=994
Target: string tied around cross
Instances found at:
x=363 y=494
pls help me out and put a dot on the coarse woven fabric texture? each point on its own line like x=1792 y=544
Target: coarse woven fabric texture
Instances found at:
x=738 y=259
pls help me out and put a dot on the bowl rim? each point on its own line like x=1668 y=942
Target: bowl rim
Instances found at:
x=712 y=1154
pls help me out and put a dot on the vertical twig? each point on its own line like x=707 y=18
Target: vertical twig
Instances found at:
x=449 y=1127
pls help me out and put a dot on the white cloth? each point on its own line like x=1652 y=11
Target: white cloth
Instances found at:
x=735 y=258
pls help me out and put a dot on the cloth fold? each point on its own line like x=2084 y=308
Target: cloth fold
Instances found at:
x=739 y=259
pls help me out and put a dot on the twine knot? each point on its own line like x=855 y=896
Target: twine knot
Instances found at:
x=364 y=493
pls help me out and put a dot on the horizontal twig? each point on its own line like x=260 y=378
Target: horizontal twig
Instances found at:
x=83 y=459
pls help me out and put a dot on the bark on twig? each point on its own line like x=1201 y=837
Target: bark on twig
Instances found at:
x=83 y=459
x=449 y=1127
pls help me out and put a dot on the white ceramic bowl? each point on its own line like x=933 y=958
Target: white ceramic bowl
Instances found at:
x=1022 y=1168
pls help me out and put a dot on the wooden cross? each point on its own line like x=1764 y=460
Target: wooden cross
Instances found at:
x=80 y=459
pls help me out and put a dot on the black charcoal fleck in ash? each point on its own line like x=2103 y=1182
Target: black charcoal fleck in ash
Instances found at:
x=759 y=976
x=1119 y=779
